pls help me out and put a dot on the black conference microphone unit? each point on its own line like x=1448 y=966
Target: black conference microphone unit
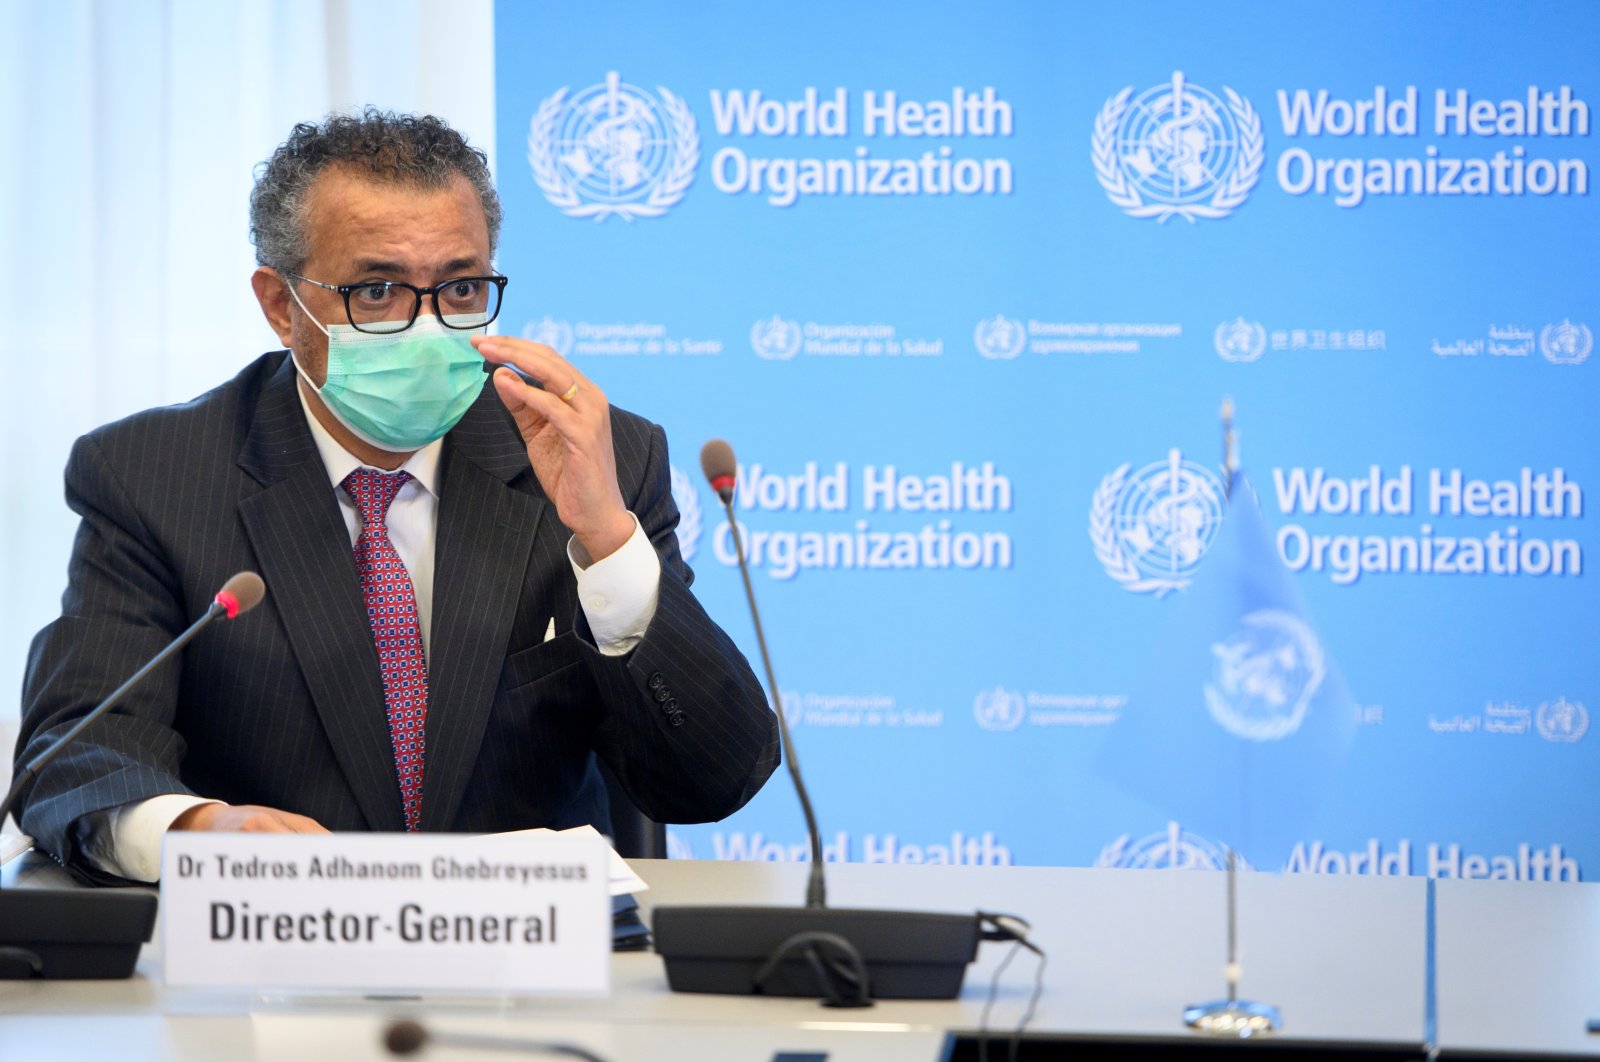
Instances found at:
x=847 y=956
x=70 y=934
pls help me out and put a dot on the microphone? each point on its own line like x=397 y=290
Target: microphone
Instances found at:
x=716 y=461
x=848 y=956
x=240 y=594
x=87 y=933
x=407 y=1037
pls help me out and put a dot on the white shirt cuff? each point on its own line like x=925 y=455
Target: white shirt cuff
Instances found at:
x=127 y=840
x=618 y=594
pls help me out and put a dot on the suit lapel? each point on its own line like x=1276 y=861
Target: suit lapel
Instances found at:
x=485 y=538
x=303 y=546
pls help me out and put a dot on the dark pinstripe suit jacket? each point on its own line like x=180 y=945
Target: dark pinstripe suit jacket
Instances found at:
x=284 y=706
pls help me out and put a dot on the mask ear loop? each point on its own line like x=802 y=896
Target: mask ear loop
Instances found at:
x=293 y=357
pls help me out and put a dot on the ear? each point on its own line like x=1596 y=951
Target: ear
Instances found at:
x=272 y=292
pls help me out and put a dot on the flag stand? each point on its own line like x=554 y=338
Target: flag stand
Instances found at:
x=1235 y=1017
x=1232 y=1017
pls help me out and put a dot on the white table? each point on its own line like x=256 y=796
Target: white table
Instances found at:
x=1344 y=958
x=1518 y=966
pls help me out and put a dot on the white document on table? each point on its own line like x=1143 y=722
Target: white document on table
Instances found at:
x=621 y=879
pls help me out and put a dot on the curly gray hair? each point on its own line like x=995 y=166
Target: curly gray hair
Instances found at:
x=416 y=150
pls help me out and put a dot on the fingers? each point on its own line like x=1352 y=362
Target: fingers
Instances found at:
x=271 y=820
x=264 y=824
x=566 y=398
x=566 y=425
x=245 y=818
x=557 y=399
x=520 y=396
x=555 y=373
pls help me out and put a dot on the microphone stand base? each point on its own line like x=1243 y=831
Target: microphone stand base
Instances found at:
x=73 y=934
x=1236 y=1018
x=727 y=950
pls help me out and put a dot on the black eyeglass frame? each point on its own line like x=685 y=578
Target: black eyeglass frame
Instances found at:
x=417 y=293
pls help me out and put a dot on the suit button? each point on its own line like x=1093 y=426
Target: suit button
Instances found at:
x=670 y=705
x=655 y=681
x=676 y=719
x=662 y=693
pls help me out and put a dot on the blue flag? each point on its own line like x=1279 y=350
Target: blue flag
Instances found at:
x=1241 y=724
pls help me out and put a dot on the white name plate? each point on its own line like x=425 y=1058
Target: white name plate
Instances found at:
x=407 y=912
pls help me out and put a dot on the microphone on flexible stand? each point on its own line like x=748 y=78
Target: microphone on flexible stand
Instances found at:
x=847 y=956
x=406 y=1037
x=94 y=933
x=721 y=470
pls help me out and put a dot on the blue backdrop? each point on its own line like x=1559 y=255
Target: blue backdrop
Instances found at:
x=965 y=286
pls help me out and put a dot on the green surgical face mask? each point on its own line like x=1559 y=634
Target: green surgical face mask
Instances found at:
x=398 y=391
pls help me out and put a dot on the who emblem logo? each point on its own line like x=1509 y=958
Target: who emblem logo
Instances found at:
x=775 y=339
x=690 y=520
x=999 y=338
x=1240 y=340
x=555 y=334
x=1566 y=343
x=1177 y=150
x=1174 y=849
x=613 y=149
x=999 y=709
x=1151 y=528
x=1266 y=673
x=1562 y=721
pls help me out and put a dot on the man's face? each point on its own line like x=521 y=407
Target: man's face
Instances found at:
x=362 y=230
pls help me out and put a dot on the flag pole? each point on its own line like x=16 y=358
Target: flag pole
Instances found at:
x=1232 y=1016
x=1230 y=455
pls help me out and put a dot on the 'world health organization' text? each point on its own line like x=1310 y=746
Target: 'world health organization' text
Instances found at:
x=935 y=172
x=1427 y=549
x=939 y=545
x=1552 y=113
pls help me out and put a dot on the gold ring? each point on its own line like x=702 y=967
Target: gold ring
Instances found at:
x=570 y=393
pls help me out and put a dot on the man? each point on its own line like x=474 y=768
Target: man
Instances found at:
x=473 y=591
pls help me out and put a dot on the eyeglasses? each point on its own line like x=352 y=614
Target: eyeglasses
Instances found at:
x=387 y=306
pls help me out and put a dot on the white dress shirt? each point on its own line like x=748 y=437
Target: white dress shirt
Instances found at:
x=618 y=595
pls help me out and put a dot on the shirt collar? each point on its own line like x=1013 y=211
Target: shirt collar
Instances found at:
x=339 y=462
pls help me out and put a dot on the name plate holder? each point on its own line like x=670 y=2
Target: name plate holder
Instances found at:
x=401 y=914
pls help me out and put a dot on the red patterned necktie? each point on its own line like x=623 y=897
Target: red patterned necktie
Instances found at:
x=392 y=611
